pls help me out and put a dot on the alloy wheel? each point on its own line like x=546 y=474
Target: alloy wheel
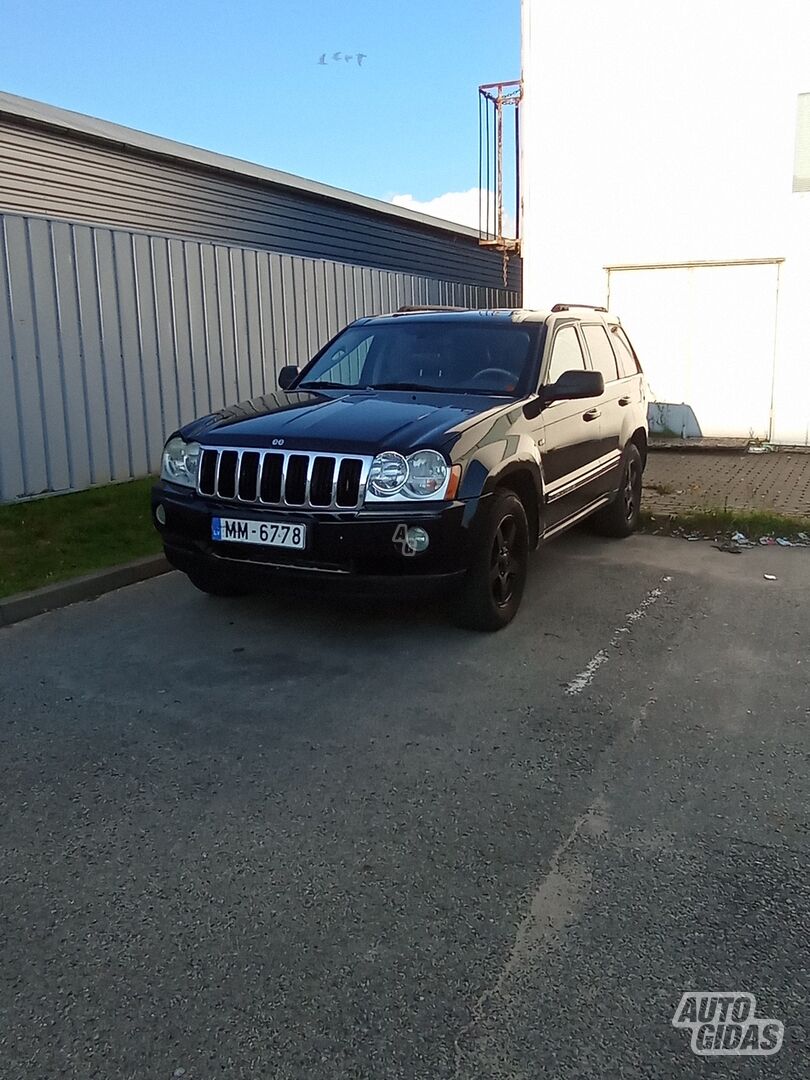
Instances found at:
x=630 y=494
x=504 y=567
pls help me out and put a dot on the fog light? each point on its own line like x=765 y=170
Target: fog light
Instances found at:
x=417 y=538
x=160 y=514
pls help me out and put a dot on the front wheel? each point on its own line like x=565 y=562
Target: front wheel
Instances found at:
x=494 y=584
x=620 y=517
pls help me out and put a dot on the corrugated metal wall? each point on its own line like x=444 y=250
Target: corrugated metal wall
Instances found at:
x=54 y=173
x=109 y=339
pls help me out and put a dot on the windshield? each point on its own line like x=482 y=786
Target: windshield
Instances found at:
x=461 y=357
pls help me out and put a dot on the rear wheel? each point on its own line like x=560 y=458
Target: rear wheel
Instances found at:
x=214 y=582
x=494 y=584
x=620 y=517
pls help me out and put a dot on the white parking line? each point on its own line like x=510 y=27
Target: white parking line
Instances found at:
x=585 y=677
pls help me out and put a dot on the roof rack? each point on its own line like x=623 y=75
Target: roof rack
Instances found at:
x=416 y=308
x=566 y=307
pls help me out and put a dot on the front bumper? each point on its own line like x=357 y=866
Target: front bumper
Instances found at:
x=356 y=547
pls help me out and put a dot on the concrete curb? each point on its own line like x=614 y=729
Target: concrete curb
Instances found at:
x=710 y=446
x=685 y=446
x=25 y=605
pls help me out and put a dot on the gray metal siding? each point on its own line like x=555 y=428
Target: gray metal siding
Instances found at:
x=53 y=173
x=110 y=339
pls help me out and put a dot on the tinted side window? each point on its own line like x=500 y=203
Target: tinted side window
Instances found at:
x=566 y=354
x=624 y=353
x=601 y=353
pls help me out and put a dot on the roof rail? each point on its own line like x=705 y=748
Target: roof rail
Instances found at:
x=591 y=307
x=416 y=308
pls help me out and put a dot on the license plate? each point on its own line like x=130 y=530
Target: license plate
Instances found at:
x=270 y=533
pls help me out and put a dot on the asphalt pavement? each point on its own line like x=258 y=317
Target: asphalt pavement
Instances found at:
x=278 y=838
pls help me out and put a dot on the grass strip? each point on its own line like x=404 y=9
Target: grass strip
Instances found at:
x=48 y=540
x=722 y=522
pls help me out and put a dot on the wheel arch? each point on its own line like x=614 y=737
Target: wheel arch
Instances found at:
x=524 y=481
x=639 y=440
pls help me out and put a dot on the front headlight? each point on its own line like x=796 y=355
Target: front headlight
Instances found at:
x=422 y=475
x=427 y=474
x=388 y=474
x=180 y=462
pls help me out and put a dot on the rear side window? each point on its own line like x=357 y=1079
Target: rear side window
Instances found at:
x=602 y=356
x=566 y=354
x=624 y=352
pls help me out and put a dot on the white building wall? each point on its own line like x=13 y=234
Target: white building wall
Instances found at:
x=665 y=133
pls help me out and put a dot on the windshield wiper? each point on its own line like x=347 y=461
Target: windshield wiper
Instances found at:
x=438 y=389
x=324 y=384
x=410 y=386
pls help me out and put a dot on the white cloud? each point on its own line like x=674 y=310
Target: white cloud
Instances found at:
x=458 y=206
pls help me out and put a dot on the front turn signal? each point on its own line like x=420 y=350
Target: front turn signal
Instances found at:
x=453 y=482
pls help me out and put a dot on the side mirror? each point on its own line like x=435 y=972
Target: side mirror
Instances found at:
x=574 y=384
x=287 y=376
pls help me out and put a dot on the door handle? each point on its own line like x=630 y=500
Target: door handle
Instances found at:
x=591 y=414
x=624 y=400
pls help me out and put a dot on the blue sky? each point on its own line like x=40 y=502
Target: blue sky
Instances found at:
x=243 y=78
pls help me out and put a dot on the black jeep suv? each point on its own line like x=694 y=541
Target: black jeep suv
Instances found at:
x=420 y=447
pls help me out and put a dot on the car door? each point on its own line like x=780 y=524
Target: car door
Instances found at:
x=610 y=407
x=568 y=438
x=631 y=380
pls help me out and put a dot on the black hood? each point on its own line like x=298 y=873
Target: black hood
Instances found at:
x=344 y=422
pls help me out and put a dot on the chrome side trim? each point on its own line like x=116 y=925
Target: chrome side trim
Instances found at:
x=566 y=485
x=574 y=518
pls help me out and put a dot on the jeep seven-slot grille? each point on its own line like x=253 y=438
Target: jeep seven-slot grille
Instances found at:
x=283 y=478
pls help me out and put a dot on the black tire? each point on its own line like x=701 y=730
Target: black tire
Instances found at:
x=620 y=517
x=493 y=587
x=214 y=583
